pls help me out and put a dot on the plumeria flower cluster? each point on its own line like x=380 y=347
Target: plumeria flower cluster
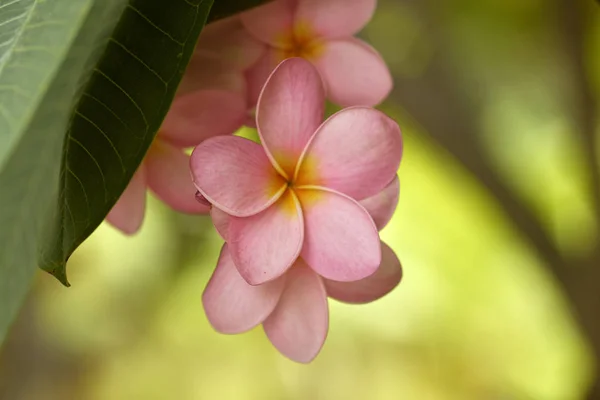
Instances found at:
x=290 y=212
x=227 y=72
x=300 y=212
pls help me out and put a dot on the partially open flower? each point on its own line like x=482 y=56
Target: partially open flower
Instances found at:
x=321 y=31
x=290 y=213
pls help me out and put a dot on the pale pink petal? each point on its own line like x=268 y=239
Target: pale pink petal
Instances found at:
x=235 y=174
x=271 y=22
x=265 y=245
x=168 y=176
x=290 y=109
x=340 y=239
x=354 y=74
x=211 y=72
x=221 y=221
x=257 y=75
x=127 y=214
x=197 y=116
x=335 y=18
x=233 y=306
x=230 y=41
x=381 y=206
x=356 y=151
x=373 y=287
x=298 y=326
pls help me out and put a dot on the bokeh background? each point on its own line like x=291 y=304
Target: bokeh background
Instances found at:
x=497 y=229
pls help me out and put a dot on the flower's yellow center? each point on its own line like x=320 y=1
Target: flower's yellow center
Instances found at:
x=296 y=179
x=300 y=41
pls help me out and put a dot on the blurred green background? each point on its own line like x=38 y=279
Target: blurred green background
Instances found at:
x=497 y=230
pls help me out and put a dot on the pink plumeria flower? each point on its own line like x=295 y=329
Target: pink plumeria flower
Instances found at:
x=321 y=31
x=210 y=101
x=293 y=308
x=293 y=202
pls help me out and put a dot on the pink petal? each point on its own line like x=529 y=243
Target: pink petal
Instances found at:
x=270 y=22
x=265 y=245
x=340 y=239
x=381 y=206
x=373 y=287
x=235 y=174
x=221 y=221
x=336 y=18
x=200 y=115
x=257 y=75
x=168 y=176
x=127 y=214
x=354 y=73
x=207 y=71
x=356 y=151
x=233 y=306
x=229 y=40
x=298 y=326
x=290 y=109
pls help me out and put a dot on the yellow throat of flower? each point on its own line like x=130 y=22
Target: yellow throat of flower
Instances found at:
x=301 y=41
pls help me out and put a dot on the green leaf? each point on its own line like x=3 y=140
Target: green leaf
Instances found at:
x=35 y=39
x=84 y=85
x=127 y=93
x=54 y=56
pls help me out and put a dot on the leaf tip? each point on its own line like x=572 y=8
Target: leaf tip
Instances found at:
x=60 y=272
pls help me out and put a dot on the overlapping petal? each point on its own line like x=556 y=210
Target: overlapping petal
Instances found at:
x=257 y=75
x=211 y=72
x=373 y=287
x=235 y=175
x=197 y=116
x=229 y=40
x=340 y=239
x=354 y=73
x=168 y=176
x=381 y=206
x=220 y=220
x=232 y=305
x=357 y=151
x=290 y=110
x=298 y=326
x=265 y=245
x=127 y=214
x=271 y=21
x=335 y=18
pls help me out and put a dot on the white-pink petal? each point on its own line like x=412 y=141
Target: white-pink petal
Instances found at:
x=354 y=73
x=271 y=21
x=289 y=111
x=357 y=151
x=220 y=220
x=341 y=241
x=264 y=246
x=229 y=40
x=298 y=326
x=168 y=176
x=127 y=214
x=371 y=288
x=233 y=306
x=381 y=206
x=197 y=116
x=335 y=18
x=235 y=175
x=257 y=75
